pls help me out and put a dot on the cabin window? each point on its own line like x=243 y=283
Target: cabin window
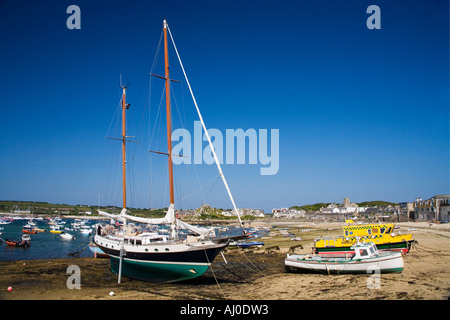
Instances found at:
x=156 y=250
x=346 y=232
x=382 y=230
x=138 y=242
x=369 y=232
x=372 y=250
x=166 y=249
x=363 y=252
x=389 y=230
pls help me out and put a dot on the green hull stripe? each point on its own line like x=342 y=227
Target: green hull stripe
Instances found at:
x=157 y=271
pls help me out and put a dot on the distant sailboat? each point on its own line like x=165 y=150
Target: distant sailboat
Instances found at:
x=152 y=256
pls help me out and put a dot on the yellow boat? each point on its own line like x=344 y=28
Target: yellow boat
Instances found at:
x=56 y=229
x=382 y=234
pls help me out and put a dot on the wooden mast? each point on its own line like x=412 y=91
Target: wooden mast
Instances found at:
x=168 y=114
x=124 y=184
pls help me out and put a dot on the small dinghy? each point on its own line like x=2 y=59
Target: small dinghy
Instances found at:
x=66 y=236
x=250 y=244
x=25 y=243
x=366 y=259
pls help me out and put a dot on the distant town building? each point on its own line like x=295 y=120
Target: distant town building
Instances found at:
x=405 y=211
x=344 y=208
x=288 y=213
x=280 y=213
x=251 y=212
x=434 y=209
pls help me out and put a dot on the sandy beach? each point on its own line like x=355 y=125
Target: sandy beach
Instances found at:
x=248 y=274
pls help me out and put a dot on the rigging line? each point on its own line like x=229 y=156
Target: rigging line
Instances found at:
x=150 y=82
x=212 y=187
x=178 y=190
x=199 y=183
x=262 y=273
x=157 y=117
x=157 y=52
x=200 y=188
x=115 y=116
x=212 y=271
x=207 y=134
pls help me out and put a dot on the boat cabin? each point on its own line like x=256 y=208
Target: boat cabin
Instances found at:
x=364 y=250
x=146 y=238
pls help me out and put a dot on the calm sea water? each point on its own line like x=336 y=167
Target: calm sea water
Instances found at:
x=44 y=245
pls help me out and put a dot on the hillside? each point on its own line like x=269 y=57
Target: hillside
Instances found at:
x=317 y=206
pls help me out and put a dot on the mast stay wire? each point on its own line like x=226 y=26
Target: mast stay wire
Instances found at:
x=207 y=134
x=185 y=137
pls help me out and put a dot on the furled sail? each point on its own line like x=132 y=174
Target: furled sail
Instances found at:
x=117 y=217
x=200 y=231
x=169 y=218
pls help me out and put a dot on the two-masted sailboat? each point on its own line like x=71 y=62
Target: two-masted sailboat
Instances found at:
x=153 y=256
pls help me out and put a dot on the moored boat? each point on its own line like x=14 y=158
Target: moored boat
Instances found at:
x=98 y=253
x=56 y=229
x=250 y=244
x=29 y=229
x=366 y=259
x=25 y=243
x=382 y=235
x=153 y=256
x=3 y=221
x=66 y=236
x=86 y=231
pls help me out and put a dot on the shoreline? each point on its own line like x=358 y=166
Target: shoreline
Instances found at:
x=248 y=275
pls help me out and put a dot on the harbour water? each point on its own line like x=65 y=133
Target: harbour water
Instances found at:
x=44 y=245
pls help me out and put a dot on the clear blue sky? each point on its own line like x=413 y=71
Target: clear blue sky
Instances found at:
x=362 y=113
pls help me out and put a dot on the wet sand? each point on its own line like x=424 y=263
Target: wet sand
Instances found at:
x=248 y=274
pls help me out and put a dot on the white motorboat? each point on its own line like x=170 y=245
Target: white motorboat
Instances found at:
x=366 y=259
x=66 y=236
x=86 y=231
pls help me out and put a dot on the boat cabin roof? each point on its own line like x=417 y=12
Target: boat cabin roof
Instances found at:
x=146 y=238
x=365 y=250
